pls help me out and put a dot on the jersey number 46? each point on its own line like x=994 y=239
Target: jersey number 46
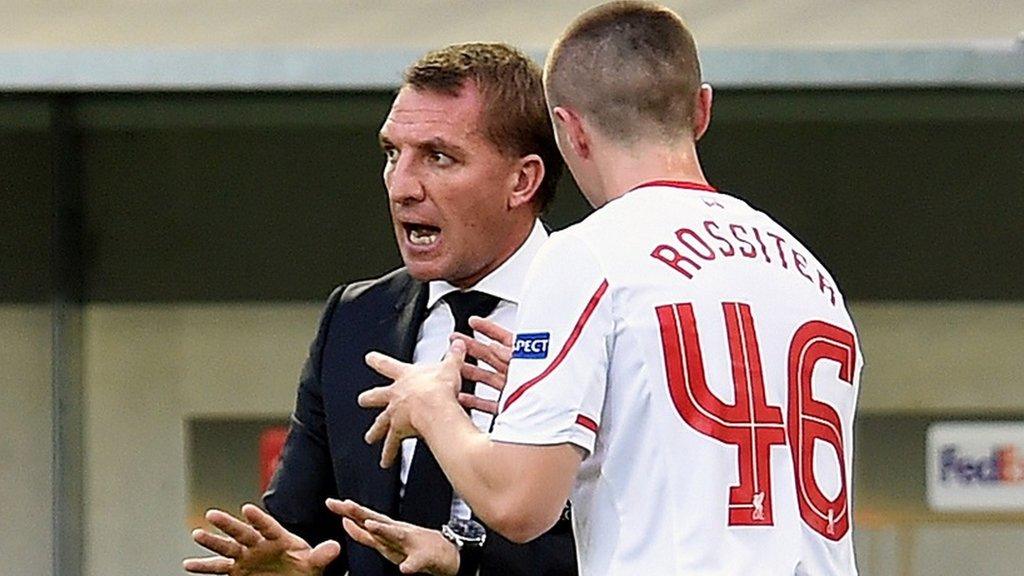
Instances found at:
x=752 y=425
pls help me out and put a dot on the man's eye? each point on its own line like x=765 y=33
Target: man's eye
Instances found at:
x=391 y=154
x=441 y=159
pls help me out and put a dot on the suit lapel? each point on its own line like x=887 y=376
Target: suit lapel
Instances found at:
x=402 y=325
x=398 y=330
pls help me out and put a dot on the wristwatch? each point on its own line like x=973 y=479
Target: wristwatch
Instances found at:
x=464 y=533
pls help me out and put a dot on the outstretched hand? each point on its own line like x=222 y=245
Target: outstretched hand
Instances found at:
x=416 y=390
x=413 y=548
x=258 y=547
x=497 y=354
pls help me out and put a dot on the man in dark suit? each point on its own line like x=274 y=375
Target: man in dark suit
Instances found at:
x=470 y=164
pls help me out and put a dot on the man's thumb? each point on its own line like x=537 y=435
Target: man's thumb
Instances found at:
x=324 y=553
x=456 y=354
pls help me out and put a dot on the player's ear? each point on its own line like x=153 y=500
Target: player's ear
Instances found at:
x=702 y=111
x=528 y=177
x=570 y=130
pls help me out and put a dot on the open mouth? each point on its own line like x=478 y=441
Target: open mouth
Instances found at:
x=421 y=234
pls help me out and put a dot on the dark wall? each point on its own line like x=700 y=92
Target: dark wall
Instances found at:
x=26 y=206
x=903 y=195
x=214 y=197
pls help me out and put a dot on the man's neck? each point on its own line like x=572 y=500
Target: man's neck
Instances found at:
x=623 y=169
x=513 y=241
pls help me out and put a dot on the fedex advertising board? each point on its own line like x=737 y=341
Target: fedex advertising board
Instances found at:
x=976 y=466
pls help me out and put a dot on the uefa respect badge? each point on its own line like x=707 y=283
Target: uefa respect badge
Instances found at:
x=531 y=346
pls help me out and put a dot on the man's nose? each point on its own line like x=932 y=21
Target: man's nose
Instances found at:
x=404 y=184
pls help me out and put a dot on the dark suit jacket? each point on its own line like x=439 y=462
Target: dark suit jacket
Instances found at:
x=325 y=455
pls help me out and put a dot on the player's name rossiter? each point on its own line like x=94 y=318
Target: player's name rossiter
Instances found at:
x=736 y=241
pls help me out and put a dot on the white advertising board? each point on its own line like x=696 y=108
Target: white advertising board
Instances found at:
x=976 y=466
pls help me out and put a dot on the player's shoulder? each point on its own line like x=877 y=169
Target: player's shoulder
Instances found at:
x=573 y=240
x=567 y=257
x=598 y=226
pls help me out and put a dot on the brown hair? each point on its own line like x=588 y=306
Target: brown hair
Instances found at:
x=514 y=117
x=630 y=67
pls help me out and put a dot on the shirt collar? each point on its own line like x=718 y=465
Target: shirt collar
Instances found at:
x=685 y=185
x=505 y=281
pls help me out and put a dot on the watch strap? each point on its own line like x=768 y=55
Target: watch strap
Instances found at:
x=469 y=560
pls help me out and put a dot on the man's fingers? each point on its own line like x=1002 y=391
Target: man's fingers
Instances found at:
x=228 y=524
x=360 y=535
x=484 y=376
x=477 y=403
x=216 y=543
x=211 y=565
x=375 y=397
x=494 y=353
x=355 y=511
x=456 y=355
x=412 y=565
x=324 y=553
x=503 y=355
x=379 y=428
x=492 y=330
x=386 y=365
x=265 y=523
x=392 y=447
x=393 y=534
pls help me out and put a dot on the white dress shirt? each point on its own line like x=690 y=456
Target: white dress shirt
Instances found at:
x=505 y=282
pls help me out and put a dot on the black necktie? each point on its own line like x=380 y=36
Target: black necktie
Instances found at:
x=428 y=494
x=464 y=305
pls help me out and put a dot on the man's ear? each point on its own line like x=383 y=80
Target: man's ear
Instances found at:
x=702 y=111
x=574 y=131
x=529 y=175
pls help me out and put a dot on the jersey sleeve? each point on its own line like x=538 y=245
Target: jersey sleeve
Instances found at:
x=564 y=331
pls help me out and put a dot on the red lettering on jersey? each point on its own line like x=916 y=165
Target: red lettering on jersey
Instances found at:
x=696 y=248
x=683 y=233
x=752 y=425
x=749 y=423
x=673 y=258
x=779 y=241
x=811 y=420
x=823 y=285
x=800 y=262
x=708 y=225
x=753 y=251
x=760 y=242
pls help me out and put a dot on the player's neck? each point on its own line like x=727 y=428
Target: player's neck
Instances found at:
x=623 y=169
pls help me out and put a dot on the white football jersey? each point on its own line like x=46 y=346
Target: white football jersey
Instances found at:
x=705 y=361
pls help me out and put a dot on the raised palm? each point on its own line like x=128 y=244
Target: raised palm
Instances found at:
x=261 y=547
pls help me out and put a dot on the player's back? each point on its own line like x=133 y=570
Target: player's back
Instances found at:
x=725 y=432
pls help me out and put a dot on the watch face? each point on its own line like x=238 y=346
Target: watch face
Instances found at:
x=468 y=530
